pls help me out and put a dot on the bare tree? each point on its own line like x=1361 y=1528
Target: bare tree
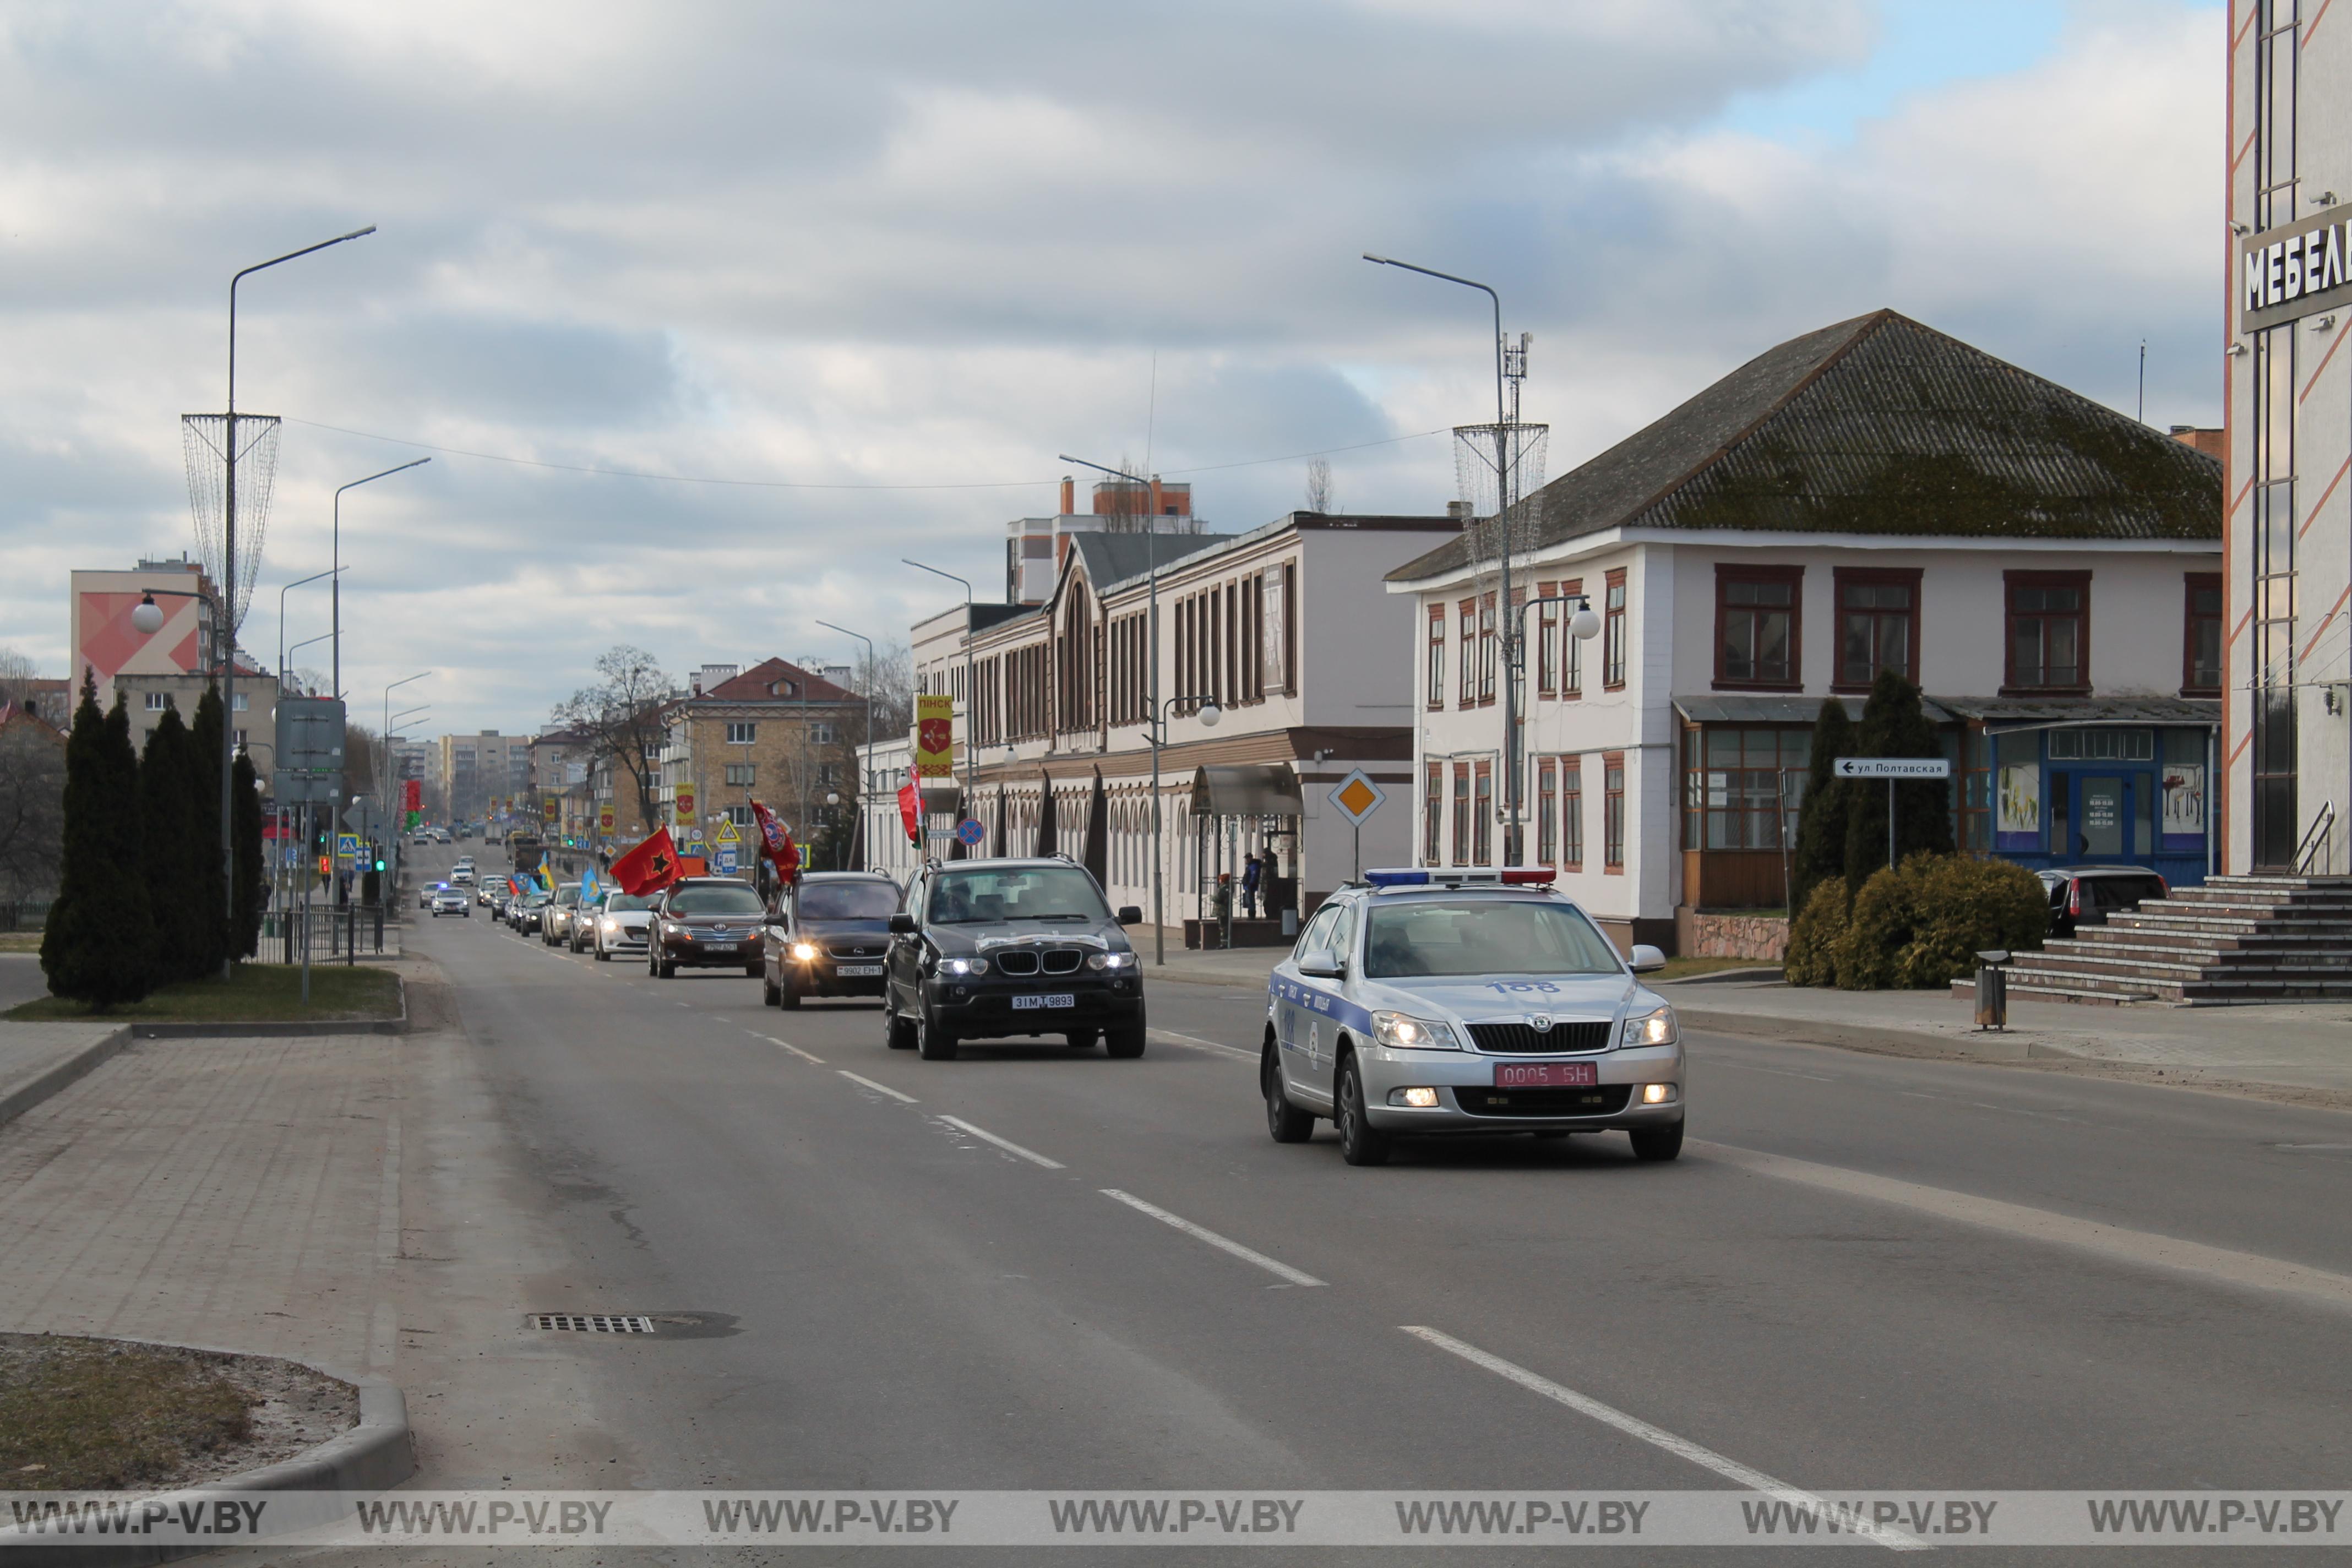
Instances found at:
x=16 y=675
x=32 y=807
x=622 y=716
x=1319 y=495
x=886 y=681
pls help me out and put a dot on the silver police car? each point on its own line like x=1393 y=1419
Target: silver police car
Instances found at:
x=1423 y=1002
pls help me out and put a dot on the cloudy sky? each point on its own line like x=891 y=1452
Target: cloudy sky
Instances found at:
x=862 y=270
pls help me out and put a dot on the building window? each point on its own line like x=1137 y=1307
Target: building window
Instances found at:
x=2049 y=631
x=1741 y=788
x=1612 y=812
x=1461 y=813
x=1481 y=816
x=742 y=734
x=1486 y=652
x=740 y=774
x=1612 y=634
x=1878 y=626
x=1571 y=659
x=740 y=815
x=2201 y=655
x=822 y=735
x=240 y=702
x=156 y=703
x=2276 y=84
x=1756 y=616
x=1547 y=641
x=1546 y=805
x=1468 y=619
x=1571 y=814
x=1432 y=808
x=1437 y=656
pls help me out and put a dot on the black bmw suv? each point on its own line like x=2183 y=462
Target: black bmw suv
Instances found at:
x=1007 y=948
x=828 y=938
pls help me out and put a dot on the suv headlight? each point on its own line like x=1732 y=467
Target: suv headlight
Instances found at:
x=804 y=951
x=1402 y=1031
x=1110 y=961
x=1656 y=1028
x=963 y=966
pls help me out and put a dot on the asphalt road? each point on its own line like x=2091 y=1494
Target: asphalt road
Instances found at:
x=1864 y=1273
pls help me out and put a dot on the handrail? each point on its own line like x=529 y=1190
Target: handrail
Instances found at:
x=2316 y=838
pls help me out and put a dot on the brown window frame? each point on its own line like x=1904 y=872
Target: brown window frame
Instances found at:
x=1909 y=577
x=1466 y=621
x=1547 y=641
x=1571 y=814
x=1547 y=804
x=1490 y=653
x=2011 y=582
x=1571 y=652
x=1794 y=578
x=1616 y=634
x=1434 y=661
x=2193 y=584
x=1482 y=814
x=1432 y=806
x=1612 y=813
x=1461 y=815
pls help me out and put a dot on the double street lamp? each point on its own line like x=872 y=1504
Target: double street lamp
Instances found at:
x=281 y=617
x=335 y=556
x=866 y=757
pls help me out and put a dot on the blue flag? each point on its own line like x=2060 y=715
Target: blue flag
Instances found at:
x=590 y=891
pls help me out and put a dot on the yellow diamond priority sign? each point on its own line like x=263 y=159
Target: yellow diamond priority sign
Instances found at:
x=1358 y=798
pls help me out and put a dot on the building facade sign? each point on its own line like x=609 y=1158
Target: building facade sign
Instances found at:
x=2297 y=269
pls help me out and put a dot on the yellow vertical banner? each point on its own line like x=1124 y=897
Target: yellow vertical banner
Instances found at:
x=934 y=736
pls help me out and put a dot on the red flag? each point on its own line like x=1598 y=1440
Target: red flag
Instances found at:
x=648 y=867
x=776 y=843
x=910 y=808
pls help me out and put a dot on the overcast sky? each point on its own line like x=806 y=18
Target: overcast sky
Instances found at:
x=931 y=243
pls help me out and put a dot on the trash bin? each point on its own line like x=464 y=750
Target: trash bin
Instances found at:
x=1992 y=990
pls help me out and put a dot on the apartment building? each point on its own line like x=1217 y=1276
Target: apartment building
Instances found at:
x=776 y=733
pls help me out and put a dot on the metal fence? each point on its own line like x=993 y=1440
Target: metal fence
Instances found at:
x=22 y=914
x=327 y=933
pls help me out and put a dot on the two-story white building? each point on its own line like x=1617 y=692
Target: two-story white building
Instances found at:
x=1872 y=495
x=1285 y=630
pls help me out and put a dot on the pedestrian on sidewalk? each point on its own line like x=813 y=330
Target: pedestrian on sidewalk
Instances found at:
x=1251 y=873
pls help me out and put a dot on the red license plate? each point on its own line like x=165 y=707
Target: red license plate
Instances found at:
x=1546 y=1075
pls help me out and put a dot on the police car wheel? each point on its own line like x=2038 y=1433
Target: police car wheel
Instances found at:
x=1656 y=1143
x=1360 y=1143
x=1285 y=1121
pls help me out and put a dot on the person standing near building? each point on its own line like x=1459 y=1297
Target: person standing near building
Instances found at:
x=1251 y=874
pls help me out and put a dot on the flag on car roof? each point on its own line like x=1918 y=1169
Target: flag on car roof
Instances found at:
x=776 y=843
x=651 y=866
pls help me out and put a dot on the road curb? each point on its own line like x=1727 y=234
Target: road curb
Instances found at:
x=374 y=1456
x=1875 y=1038
x=275 y=1030
x=42 y=1085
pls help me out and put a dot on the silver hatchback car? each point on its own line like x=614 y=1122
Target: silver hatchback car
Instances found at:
x=1432 y=1002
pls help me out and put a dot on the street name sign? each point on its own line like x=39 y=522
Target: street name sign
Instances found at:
x=1358 y=796
x=1894 y=768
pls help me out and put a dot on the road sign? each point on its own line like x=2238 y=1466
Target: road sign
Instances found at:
x=1894 y=768
x=1358 y=798
x=347 y=846
x=727 y=834
x=970 y=832
x=725 y=860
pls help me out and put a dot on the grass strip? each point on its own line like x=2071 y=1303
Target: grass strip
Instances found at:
x=81 y=1416
x=255 y=993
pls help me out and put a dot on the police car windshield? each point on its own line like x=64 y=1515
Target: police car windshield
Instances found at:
x=1483 y=936
x=1033 y=893
x=875 y=901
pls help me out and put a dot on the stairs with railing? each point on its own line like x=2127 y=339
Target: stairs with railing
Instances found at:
x=2235 y=939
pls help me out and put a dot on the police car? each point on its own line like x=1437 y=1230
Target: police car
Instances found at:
x=1421 y=1001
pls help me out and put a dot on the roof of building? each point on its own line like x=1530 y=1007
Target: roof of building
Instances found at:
x=778 y=681
x=1115 y=557
x=1879 y=425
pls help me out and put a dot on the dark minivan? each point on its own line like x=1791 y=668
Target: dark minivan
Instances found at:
x=830 y=938
x=2088 y=895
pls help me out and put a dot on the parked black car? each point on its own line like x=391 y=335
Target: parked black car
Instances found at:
x=2088 y=895
x=830 y=938
x=999 y=949
x=705 y=922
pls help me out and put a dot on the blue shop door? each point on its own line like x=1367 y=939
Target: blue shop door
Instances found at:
x=2103 y=816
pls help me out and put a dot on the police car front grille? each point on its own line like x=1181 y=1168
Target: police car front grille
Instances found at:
x=1607 y=1099
x=1569 y=1035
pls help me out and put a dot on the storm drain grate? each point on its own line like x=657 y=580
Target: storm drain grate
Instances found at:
x=594 y=1322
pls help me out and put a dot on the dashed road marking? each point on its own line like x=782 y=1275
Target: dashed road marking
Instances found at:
x=1006 y=1144
x=1223 y=1243
x=788 y=1046
x=881 y=1088
x=1198 y=1044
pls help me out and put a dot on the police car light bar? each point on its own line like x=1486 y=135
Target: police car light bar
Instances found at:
x=1457 y=876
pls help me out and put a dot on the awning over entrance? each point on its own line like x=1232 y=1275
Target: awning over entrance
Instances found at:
x=1254 y=790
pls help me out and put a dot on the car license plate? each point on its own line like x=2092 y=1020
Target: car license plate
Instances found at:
x=1043 y=999
x=857 y=971
x=1546 y=1075
x=718 y=947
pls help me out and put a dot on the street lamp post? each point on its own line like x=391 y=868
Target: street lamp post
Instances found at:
x=865 y=758
x=335 y=556
x=228 y=569
x=1156 y=731
x=281 y=618
x=1502 y=519
x=1152 y=661
x=296 y=649
x=382 y=778
x=971 y=678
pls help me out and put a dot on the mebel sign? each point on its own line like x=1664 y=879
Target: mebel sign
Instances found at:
x=2295 y=271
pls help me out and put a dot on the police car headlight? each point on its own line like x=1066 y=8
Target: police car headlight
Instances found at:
x=963 y=966
x=1110 y=961
x=1656 y=1028
x=1402 y=1031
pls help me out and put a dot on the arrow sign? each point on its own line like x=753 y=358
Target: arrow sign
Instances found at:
x=1894 y=768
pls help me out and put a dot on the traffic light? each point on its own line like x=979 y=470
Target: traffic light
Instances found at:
x=379 y=863
x=326 y=865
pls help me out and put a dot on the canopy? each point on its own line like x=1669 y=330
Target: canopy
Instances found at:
x=1256 y=789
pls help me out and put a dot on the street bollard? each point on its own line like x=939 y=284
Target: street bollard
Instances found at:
x=1992 y=990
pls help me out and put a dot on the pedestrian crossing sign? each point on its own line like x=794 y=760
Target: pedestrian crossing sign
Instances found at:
x=347 y=846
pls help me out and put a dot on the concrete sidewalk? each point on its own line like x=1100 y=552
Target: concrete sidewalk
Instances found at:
x=37 y=1060
x=2297 y=1052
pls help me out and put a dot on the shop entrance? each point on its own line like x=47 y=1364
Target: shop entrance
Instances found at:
x=2108 y=815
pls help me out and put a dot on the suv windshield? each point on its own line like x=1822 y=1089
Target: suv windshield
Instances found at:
x=1484 y=937
x=721 y=900
x=1026 y=893
x=875 y=901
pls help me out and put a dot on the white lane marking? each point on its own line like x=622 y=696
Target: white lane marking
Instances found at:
x=1634 y=1426
x=2312 y=1146
x=2146 y=1248
x=1010 y=1147
x=788 y=1046
x=1173 y=1038
x=1776 y=1072
x=1201 y=1232
x=884 y=1088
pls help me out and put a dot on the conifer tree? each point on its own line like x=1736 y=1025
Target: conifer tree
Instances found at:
x=169 y=850
x=1819 y=850
x=99 y=944
x=1895 y=725
x=252 y=876
x=204 y=759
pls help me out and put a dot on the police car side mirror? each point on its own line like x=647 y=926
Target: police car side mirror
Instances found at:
x=1323 y=966
x=1130 y=915
x=902 y=925
x=1647 y=958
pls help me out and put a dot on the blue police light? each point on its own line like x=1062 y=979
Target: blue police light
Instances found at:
x=1405 y=877
x=1456 y=876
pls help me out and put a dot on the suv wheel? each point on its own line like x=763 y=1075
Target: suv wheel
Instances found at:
x=1360 y=1143
x=934 y=1044
x=1082 y=1039
x=787 y=994
x=1124 y=1041
x=769 y=994
x=898 y=1033
x=1285 y=1121
x=1656 y=1143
